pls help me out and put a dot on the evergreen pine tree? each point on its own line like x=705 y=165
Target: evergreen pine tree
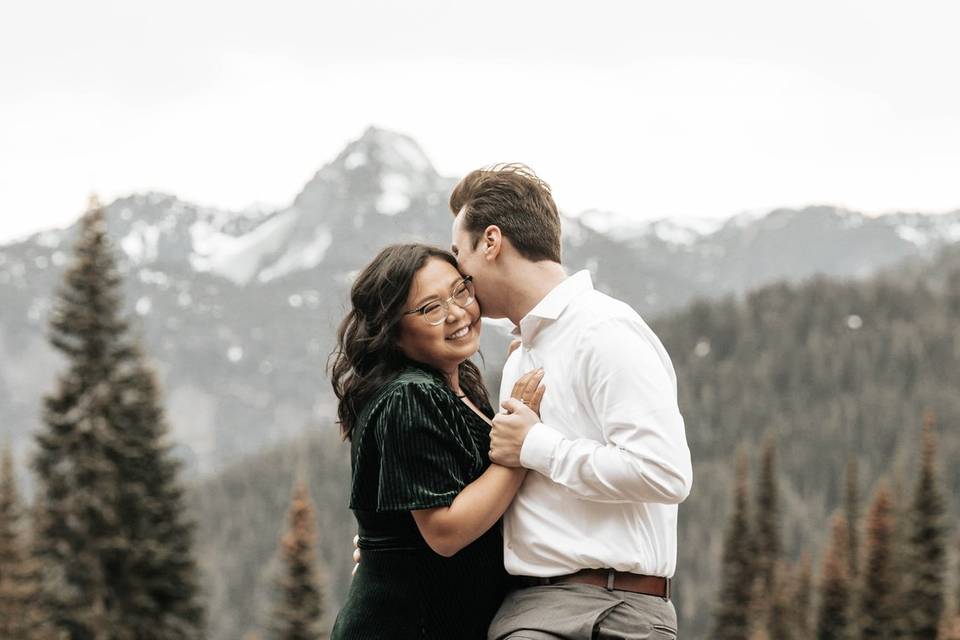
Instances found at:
x=760 y=608
x=766 y=540
x=767 y=528
x=111 y=535
x=852 y=508
x=159 y=589
x=902 y=551
x=17 y=587
x=928 y=538
x=833 y=618
x=853 y=517
x=951 y=624
x=781 y=623
x=298 y=610
x=731 y=620
x=956 y=602
x=803 y=599
x=40 y=618
x=878 y=602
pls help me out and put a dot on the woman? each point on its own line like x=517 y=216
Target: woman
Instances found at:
x=426 y=498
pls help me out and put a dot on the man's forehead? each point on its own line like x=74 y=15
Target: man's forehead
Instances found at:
x=455 y=231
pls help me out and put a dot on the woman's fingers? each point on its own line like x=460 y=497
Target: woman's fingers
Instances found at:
x=534 y=403
x=536 y=376
x=521 y=384
x=528 y=389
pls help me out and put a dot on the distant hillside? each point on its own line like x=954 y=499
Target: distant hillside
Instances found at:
x=831 y=368
x=241 y=513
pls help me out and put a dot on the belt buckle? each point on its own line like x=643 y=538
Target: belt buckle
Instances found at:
x=611 y=575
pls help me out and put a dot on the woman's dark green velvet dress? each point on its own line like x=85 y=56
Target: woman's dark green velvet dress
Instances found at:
x=416 y=446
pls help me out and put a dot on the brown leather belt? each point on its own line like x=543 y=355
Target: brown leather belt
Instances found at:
x=612 y=581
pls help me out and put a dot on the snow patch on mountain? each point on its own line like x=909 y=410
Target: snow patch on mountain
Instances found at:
x=302 y=258
x=925 y=230
x=354 y=160
x=610 y=223
x=951 y=232
x=684 y=231
x=851 y=219
x=140 y=244
x=912 y=235
x=49 y=239
x=395 y=192
x=574 y=231
x=239 y=258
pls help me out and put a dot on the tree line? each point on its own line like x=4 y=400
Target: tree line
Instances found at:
x=832 y=369
x=882 y=575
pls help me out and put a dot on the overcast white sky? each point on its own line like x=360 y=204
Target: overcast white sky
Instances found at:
x=652 y=109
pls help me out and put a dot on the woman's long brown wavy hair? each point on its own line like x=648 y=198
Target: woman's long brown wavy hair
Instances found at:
x=367 y=355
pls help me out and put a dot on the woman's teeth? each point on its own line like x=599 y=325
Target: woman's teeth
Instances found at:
x=460 y=333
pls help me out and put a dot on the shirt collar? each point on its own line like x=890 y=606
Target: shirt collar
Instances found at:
x=553 y=304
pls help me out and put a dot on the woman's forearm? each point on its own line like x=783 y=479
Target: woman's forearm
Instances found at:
x=475 y=509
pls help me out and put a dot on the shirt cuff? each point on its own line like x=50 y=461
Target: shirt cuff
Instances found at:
x=538 y=448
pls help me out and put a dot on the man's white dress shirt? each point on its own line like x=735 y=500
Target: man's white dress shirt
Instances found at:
x=609 y=458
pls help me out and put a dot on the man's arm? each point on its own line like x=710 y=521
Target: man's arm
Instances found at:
x=644 y=455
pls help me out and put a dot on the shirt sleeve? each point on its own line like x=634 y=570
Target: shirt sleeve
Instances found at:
x=644 y=455
x=420 y=465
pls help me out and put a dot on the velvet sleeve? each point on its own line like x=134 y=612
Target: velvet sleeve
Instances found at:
x=420 y=453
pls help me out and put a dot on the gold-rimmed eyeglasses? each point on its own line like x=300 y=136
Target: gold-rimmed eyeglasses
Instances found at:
x=436 y=311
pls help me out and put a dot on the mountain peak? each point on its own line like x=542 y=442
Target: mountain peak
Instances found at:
x=388 y=166
x=388 y=151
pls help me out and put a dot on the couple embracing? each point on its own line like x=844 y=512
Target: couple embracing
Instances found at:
x=553 y=516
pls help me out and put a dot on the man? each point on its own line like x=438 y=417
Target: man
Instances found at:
x=592 y=533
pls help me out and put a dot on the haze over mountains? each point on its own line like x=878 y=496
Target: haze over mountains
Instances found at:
x=238 y=310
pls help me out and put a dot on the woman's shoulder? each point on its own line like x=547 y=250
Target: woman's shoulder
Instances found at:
x=413 y=382
x=412 y=388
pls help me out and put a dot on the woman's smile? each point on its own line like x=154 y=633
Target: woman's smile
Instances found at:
x=464 y=331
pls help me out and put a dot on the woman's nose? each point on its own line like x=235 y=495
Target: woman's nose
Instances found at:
x=455 y=312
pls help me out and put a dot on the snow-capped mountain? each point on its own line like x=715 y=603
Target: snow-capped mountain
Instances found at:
x=238 y=309
x=680 y=231
x=922 y=230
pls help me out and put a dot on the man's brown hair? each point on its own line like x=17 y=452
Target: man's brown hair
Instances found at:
x=512 y=197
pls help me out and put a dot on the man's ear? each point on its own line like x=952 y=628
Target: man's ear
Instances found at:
x=492 y=242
